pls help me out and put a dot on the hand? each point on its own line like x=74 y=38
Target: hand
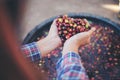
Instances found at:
x=50 y=42
x=73 y=43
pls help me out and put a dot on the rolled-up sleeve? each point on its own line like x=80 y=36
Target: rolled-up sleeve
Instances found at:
x=31 y=52
x=69 y=67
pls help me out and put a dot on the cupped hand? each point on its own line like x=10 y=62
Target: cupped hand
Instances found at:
x=50 y=42
x=73 y=43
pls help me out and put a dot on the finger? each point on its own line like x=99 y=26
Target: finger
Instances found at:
x=91 y=31
x=53 y=28
x=87 y=22
x=54 y=23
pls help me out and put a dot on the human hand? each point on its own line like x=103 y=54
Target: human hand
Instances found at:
x=50 y=42
x=73 y=43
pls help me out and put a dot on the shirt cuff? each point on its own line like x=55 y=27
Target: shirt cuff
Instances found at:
x=31 y=52
x=69 y=58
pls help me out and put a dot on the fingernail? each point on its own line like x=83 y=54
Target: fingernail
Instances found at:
x=93 y=29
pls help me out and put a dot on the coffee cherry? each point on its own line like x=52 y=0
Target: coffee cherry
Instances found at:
x=82 y=29
x=70 y=30
x=59 y=32
x=60 y=20
x=63 y=27
x=67 y=36
x=67 y=27
x=71 y=24
x=59 y=28
x=65 y=32
x=73 y=33
x=75 y=25
x=66 y=21
x=78 y=27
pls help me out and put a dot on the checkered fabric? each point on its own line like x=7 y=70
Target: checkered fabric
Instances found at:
x=31 y=51
x=69 y=67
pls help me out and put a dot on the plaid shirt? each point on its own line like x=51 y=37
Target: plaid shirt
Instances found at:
x=69 y=66
x=31 y=51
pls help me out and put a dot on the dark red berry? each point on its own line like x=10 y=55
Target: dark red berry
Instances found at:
x=68 y=27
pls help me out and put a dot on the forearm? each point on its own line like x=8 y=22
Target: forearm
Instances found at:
x=36 y=50
x=69 y=48
x=48 y=44
x=69 y=67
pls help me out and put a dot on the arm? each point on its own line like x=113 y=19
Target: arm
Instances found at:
x=69 y=67
x=31 y=51
x=36 y=50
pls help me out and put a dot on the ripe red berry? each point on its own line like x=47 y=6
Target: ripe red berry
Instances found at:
x=68 y=27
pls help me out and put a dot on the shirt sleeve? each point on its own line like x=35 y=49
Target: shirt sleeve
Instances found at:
x=31 y=52
x=69 y=67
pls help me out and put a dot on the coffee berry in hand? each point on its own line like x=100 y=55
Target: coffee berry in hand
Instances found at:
x=67 y=26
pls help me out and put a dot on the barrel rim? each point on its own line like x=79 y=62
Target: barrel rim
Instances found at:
x=29 y=36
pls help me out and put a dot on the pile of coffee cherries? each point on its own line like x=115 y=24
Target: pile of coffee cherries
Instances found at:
x=68 y=27
x=100 y=58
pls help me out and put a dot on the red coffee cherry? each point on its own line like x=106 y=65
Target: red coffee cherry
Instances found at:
x=67 y=27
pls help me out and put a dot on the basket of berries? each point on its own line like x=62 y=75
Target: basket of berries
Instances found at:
x=101 y=58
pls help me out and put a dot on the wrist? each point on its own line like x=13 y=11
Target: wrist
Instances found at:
x=48 y=44
x=41 y=46
x=70 y=48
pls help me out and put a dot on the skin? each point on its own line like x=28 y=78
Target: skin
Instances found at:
x=80 y=39
x=50 y=42
x=53 y=41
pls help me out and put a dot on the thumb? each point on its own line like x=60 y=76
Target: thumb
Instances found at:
x=91 y=31
x=53 y=28
x=54 y=22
